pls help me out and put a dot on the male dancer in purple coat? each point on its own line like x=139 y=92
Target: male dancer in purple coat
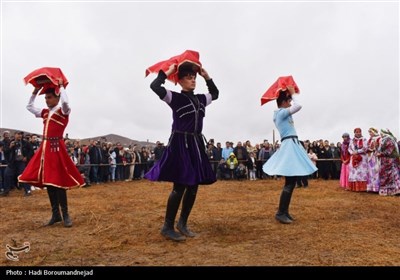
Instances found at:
x=184 y=161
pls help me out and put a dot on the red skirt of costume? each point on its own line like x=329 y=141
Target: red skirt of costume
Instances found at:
x=51 y=165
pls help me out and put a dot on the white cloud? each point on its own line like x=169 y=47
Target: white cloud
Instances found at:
x=344 y=57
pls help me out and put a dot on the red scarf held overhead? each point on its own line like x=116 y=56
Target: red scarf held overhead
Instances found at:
x=282 y=83
x=46 y=77
x=186 y=56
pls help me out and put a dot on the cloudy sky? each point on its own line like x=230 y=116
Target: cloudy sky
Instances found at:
x=343 y=56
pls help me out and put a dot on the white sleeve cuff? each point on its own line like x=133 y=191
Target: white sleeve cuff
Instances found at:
x=208 y=99
x=168 y=97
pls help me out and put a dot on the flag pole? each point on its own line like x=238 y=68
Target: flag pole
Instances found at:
x=273 y=138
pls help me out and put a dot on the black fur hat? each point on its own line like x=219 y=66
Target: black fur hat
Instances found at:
x=187 y=68
x=50 y=90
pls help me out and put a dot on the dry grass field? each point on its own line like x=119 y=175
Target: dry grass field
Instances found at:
x=118 y=224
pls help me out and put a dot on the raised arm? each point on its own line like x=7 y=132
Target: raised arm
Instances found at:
x=31 y=104
x=212 y=88
x=295 y=105
x=156 y=85
x=64 y=101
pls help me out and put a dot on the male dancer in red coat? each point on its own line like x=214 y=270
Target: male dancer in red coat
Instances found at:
x=51 y=167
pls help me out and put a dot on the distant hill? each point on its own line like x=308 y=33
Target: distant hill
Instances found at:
x=113 y=138
x=12 y=132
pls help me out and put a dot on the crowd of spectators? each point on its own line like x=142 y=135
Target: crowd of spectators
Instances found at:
x=102 y=161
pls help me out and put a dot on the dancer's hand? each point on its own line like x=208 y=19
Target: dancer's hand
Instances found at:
x=171 y=70
x=36 y=90
x=60 y=82
x=291 y=90
x=204 y=74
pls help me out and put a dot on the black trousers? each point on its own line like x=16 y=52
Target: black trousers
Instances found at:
x=58 y=199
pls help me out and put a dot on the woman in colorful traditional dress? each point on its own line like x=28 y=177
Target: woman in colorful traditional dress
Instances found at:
x=388 y=152
x=373 y=160
x=358 y=168
x=345 y=157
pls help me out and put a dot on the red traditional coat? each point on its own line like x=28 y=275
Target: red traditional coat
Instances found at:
x=51 y=164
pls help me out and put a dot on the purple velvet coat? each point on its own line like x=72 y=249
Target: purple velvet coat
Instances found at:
x=184 y=160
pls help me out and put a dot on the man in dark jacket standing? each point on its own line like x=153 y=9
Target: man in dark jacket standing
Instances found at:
x=17 y=154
